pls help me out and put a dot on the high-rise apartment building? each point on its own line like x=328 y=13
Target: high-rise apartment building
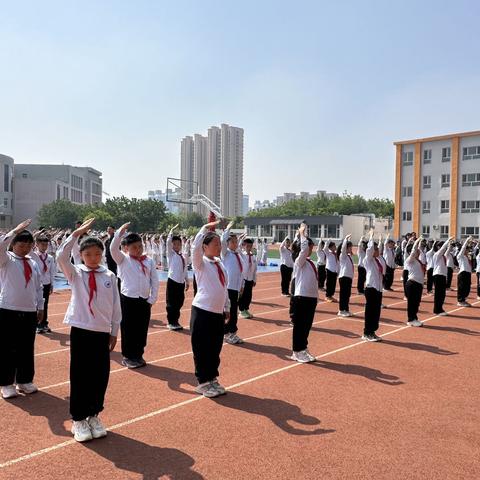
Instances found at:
x=437 y=186
x=215 y=162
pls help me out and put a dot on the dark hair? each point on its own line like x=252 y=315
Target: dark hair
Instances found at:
x=409 y=248
x=176 y=238
x=131 y=238
x=231 y=236
x=310 y=242
x=91 y=242
x=339 y=248
x=295 y=248
x=331 y=244
x=24 y=236
x=365 y=244
x=209 y=236
x=321 y=244
x=110 y=226
x=249 y=241
x=42 y=239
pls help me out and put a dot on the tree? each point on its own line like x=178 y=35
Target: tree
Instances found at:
x=60 y=214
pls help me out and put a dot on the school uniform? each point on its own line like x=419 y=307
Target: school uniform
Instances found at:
x=389 y=257
x=321 y=268
x=464 y=276
x=345 y=278
x=139 y=291
x=440 y=278
x=111 y=265
x=208 y=308
x=305 y=298
x=94 y=314
x=361 y=272
x=177 y=279
x=259 y=252
x=249 y=281
x=477 y=258
x=332 y=271
x=429 y=256
x=286 y=268
x=232 y=261
x=48 y=269
x=21 y=296
x=450 y=267
x=373 y=290
x=414 y=286
x=405 y=269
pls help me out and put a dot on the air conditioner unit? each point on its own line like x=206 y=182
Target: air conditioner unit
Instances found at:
x=435 y=227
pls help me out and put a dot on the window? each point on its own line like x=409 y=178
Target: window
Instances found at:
x=466 y=232
x=407 y=191
x=407 y=216
x=426 y=230
x=332 y=231
x=444 y=206
x=445 y=180
x=24 y=175
x=426 y=206
x=471 y=153
x=6 y=178
x=407 y=159
x=470 y=206
x=96 y=189
x=427 y=156
x=5 y=202
x=76 y=195
x=65 y=192
x=446 y=154
x=470 y=179
x=77 y=182
x=427 y=181
x=444 y=231
x=58 y=192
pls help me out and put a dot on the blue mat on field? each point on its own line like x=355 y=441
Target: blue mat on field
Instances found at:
x=61 y=284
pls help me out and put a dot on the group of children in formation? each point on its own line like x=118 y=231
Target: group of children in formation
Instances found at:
x=114 y=283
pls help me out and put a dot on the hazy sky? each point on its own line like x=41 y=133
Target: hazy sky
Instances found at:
x=322 y=88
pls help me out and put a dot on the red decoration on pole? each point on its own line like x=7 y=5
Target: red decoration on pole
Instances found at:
x=212 y=218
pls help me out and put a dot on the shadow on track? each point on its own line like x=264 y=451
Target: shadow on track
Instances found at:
x=420 y=347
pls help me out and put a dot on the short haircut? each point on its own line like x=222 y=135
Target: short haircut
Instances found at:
x=176 y=238
x=209 y=236
x=331 y=244
x=24 y=236
x=311 y=243
x=42 y=239
x=249 y=241
x=131 y=238
x=89 y=242
x=231 y=236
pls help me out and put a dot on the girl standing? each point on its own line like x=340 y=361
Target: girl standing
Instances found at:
x=286 y=267
x=344 y=255
x=332 y=270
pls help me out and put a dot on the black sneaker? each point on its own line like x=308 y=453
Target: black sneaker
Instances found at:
x=131 y=363
x=371 y=338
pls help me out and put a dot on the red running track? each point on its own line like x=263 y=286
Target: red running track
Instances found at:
x=404 y=408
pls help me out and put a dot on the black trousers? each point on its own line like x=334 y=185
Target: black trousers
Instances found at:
x=331 y=283
x=449 y=277
x=429 y=279
x=89 y=372
x=345 y=292
x=404 y=280
x=246 y=297
x=440 y=283
x=46 y=297
x=175 y=299
x=414 y=297
x=464 y=285
x=361 y=277
x=195 y=287
x=17 y=342
x=388 y=278
x=478 y=284
x=134 y=326
x=373 y=308
x=286 y=274
x=322 y=276
x=207 y=339
x=292 y=298
x=303 y=314
x=231 y=325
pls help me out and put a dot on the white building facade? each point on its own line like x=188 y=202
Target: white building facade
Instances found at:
x=437 y=186
x=6 y=200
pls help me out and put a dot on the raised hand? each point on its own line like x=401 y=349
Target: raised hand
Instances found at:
x=84 y=227
x=22 y=226
x=124 y=228
x=212 y=224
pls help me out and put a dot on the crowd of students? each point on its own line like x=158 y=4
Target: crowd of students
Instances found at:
x=114 y=283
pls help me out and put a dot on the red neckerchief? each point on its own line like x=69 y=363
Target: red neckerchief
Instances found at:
x=314 y=268
x=27 y=271
x=140 y=260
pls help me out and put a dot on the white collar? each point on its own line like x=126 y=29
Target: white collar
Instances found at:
x=100 y=269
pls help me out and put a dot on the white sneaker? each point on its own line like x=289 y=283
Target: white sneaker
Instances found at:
x=27 y=388
x=463 y=304
x=443 y=314
x=348 y=314
x=81 y=431
x=9 y=391
x=233 y=339
x=207 y=390
x=301 y=357
x=415 y=323
x=372 y=338
x=96 y=427
x=341 y=313
x=244 y=314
